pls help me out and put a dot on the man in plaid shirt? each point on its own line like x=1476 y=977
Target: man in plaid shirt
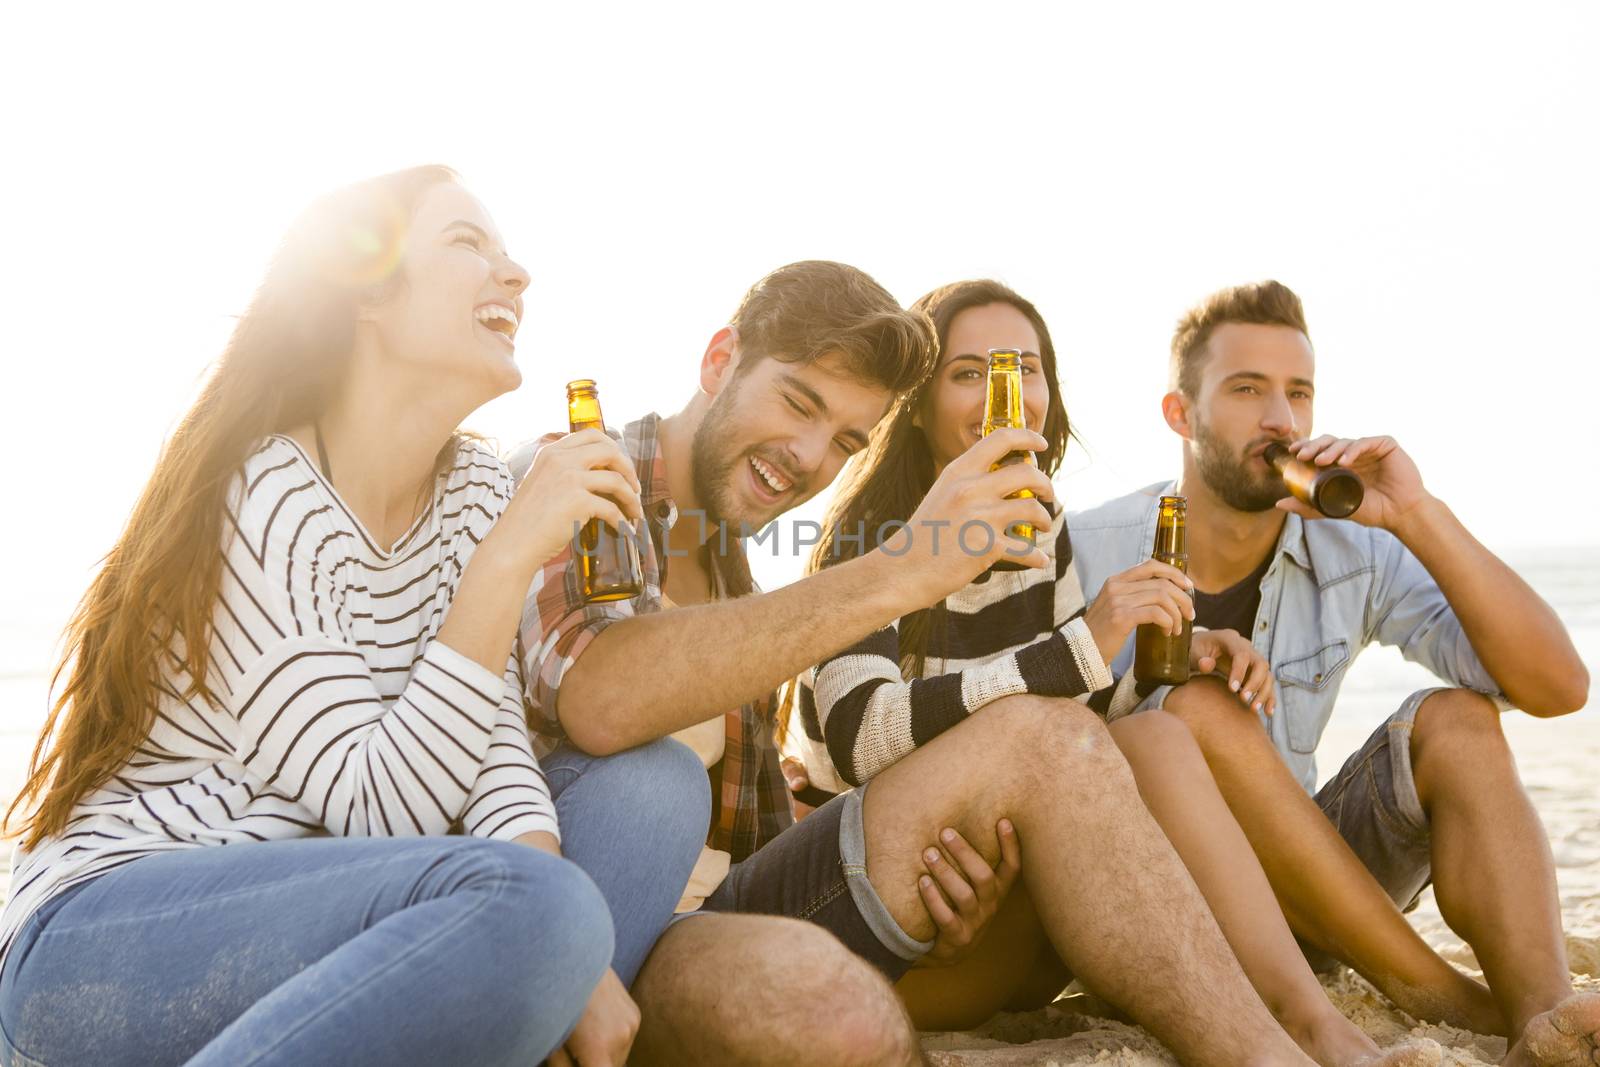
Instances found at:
x=814 y=358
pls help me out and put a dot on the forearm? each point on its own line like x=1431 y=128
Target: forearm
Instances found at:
x=482 y=621
x=649 y=676
x=1518 y=637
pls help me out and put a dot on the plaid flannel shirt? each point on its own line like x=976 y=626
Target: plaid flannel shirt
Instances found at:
x=557 y=626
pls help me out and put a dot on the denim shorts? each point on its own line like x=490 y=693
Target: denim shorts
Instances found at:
x=1373 y=802
x=817 y=871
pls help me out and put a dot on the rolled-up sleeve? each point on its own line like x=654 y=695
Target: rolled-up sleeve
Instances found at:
x=1408 y=610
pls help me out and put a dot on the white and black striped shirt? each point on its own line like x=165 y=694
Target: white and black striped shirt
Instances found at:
x=1009 y=632
x=336 y=711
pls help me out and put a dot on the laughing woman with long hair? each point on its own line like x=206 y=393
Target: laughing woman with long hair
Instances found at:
x=293 y=676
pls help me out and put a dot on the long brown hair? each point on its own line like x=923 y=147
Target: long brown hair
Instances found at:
x=155 y=592
x=897 y=470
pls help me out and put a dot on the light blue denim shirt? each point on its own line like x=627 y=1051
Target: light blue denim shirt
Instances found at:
x=1333 y=587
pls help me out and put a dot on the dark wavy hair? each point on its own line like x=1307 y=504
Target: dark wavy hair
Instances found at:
x=897 y=470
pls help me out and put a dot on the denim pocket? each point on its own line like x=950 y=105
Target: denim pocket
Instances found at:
x=1304 y=684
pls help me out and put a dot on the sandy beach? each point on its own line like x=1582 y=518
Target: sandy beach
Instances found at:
x=1558 y=761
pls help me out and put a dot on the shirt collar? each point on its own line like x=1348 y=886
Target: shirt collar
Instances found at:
x=1292 y=543
x=641 y=439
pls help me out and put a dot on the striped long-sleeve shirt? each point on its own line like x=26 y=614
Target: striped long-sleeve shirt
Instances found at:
x=1008 y=632
x=335 y=712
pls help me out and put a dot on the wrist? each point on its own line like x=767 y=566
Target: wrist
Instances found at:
x=910 y=587
x=1421 y=521
x=499 y=558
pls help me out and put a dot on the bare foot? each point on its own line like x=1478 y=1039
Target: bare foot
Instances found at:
x=1567 y=1035
x=1335 y=1041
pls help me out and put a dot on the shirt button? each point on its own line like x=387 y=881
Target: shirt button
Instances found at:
x=1317 y=678
x=1262 y=626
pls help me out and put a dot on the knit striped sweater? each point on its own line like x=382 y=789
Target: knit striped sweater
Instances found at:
x=336 y=711
x=1008 y=632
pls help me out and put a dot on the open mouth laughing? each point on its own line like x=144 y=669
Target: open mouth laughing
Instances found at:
x=498 y=320
x=771 y=484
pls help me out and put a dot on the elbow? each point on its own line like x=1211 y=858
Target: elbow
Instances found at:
x=589 y=718
x=1565 y=694
x=1575 y=691
x=842 y=754
x=593 y=734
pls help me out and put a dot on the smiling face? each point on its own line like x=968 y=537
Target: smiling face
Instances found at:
x=1255 y=388
x=776 y=433
x=950 y=414
x=452 y=318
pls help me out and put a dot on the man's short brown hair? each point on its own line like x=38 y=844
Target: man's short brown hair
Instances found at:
x=813 y=308
x=1267 y=303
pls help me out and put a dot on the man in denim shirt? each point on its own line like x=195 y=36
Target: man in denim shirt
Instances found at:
x=1434 y=794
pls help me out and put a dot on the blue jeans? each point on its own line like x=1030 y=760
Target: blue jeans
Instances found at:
x=359 y=951
x=635 y=822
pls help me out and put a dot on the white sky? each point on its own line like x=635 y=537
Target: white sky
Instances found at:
x=1424 y=175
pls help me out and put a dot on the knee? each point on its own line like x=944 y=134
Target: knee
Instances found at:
x=543 y=916
x=865 y=1022
x=667 y=785
x=545 y=894
x=1157 y=735
x=1048 y=734
x=1212 y=711
x=668 y=767
x=1456 y=725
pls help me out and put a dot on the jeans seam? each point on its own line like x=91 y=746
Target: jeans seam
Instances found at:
x=22 y=1058
x=1415 y=831
x=328 y=1004
x=1380 y=809
x=1350 y=777
x=823 y=899
x=176 y=908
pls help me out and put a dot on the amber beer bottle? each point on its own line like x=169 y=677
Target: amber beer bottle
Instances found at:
x=1002 y=410
x=1334 y=491
x=607 y=561
x=1157 y=655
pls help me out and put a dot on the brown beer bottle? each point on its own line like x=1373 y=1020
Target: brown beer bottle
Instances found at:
x=1157 y=655
x=608 y=562
x=1002 y=410
x=1334 y=491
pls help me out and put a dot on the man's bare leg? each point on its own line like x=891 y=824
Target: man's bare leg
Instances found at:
x=1495 y=878
x=760 y=991
x=1330 y=899
x=1113 y=896
x=1182 y=795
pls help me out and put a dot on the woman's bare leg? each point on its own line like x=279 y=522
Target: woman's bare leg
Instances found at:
x=1179 y=790
x=1014 y=968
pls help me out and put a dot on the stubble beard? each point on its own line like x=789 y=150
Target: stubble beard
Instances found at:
x=1228 y=476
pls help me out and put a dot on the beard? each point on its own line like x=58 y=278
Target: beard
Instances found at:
x=715 y=461
x=1231 y=477
x=711 y=468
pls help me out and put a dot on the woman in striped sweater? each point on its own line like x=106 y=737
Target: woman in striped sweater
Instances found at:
x=1029 y=631
x=294 y=675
